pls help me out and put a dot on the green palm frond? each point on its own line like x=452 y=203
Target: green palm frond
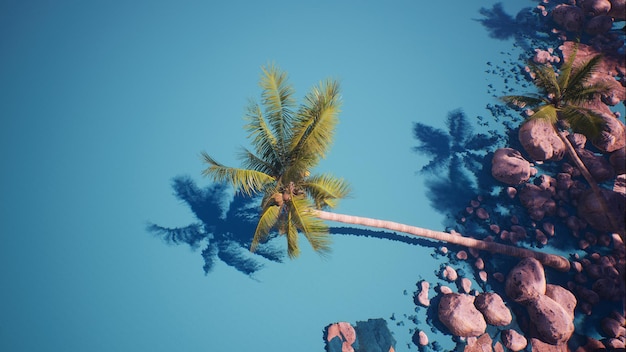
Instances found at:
x=278 y=102
x=326 y=190
x=522 y=101
x=580 y=94
x=263 y=139
x=291 y=231
x=313 y=228
x=247 y=181
x=314 y=126
x=566 y=69
x=546 y=112
x=253 y=162
x=267 y=221
x=546 y=79
x=583 y=120
x=580 y=75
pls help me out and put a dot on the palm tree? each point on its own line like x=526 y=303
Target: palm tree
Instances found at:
x=289 y=142
x=563 y=101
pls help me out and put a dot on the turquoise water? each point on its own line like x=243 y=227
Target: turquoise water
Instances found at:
x=103 y=105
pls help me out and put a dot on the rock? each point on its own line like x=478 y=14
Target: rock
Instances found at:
x=613 y=135
x=466 y=285
x=422 y=296
x=563 y=297
x=461 y=255
x=458 y=313
x=526 y=281
x=592 y=345
x=536 y=200
x=618 y=9
x=373 y=335
x=513 y=340
x=449 y=273
x=493 y=309
x=482 y=214
x=552 y=322
x=540 y=140
x=618 y=161
x=614 y=344
x=595 y=7
x=599 y=167
x=511 y=192
x=483 y=343
x=541 y=346
x=482 y=275
x=599 y=25
x=479 y=264
x=612 y=328
x=422 y=338
x=340 y=337
x=445 y=289
x=569 y=17
x=590 y=209
x=508 y=166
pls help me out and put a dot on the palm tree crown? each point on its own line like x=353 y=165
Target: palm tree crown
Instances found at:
x=564 y=96
x=288 y=142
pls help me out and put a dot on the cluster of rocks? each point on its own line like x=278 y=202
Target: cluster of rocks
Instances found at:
x=366 y=336
x=593 y=17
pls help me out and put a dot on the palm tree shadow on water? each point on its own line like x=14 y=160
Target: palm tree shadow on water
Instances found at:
x=225 y=228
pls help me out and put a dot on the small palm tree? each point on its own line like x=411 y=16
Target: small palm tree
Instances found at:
x=289 y=142
x=563 y=101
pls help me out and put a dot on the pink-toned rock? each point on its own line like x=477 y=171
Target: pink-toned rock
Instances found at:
x=494 y=310
x=540 y=140
x=445 y=289
x=511 y=192
x=541 y=346
x=618 y=9
x=508 y=166
x=595 y=7
x=613 y=344
x=599 y=25
x=482 y=214
x=450 y=274
x=422 y=338
x=552 y=322
x=466 y=284
x=618 y=161
x=612 y=327
x=461 y=255
x=513 y=340
x=495 y=228
x=563 y=297
x=613 y=135
x=590 y=209
x=422 y=296
x=526 y=281
x=548 y=228
x=599 y=167
x=346 y=334
x=541 y=237
x=482 y=275
x=458 y=313
x=443 y=250
x=569 y=17
x=480 y=344
x=479 y=264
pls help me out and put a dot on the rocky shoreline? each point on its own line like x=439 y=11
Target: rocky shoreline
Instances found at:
x=526 y=308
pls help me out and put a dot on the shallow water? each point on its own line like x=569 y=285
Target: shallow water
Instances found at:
x=103 y=105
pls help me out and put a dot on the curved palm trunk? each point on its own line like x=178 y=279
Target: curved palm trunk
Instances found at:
x=551 y=260
x=590 y=180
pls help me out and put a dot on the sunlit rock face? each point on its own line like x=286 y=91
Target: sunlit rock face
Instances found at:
x=540 y=140
x=509 y=166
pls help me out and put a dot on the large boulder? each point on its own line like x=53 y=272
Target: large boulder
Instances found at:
x=563 y=297
x=513 y=340
x=494 y=310
x=458 y=313
x=618 y=161
x=540 y=141
x=595 y=7
x=552 y=323
x=618 y=9
x=613 y=135
x=591 y=210
x=537 y=200
x=526 y=282
x=509 y=166
x=599 y=167
x=569 y=17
